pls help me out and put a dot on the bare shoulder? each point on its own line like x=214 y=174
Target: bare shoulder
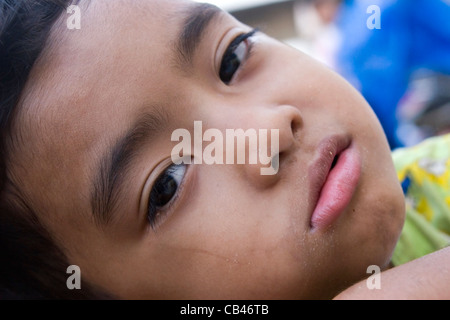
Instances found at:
x=427 y=278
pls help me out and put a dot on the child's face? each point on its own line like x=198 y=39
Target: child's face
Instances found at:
x=227 y=231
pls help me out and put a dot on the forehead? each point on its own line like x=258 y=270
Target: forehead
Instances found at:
x=93 y=82
x=115 y=38
x=120 y=46
x=121 y=50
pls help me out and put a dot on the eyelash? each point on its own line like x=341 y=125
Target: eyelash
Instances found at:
x=229 y=55
x=156 y=213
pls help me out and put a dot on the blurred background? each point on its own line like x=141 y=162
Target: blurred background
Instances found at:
x=395 y=52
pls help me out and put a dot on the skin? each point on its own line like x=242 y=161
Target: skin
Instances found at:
x=426 y=278
x=231 y=233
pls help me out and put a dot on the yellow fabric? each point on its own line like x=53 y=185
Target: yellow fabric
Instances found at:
x=424 y=172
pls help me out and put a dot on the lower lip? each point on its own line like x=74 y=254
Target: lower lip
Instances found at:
x=338 y=190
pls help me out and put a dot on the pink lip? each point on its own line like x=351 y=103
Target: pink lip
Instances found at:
x=332 y=189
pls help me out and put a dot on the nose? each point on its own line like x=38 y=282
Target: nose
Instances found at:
x=288 y=120
x=283 y=125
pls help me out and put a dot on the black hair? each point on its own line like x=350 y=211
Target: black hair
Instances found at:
x=32 y=266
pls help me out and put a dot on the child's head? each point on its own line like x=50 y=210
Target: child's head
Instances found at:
x=88 y=152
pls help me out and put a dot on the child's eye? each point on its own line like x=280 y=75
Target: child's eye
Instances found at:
x=234 y=56
x=164 y=191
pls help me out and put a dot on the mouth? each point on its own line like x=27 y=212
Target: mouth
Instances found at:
x=333 y=178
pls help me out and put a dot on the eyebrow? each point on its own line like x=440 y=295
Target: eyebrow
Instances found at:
x=116 y=162
x=198 y=18
x=114 y=165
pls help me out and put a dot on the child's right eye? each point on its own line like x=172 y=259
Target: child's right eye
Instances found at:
x=236 y=53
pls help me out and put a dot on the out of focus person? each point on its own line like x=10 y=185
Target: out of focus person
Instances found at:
x=424 y=111
x=380 y=62
x=317 y=30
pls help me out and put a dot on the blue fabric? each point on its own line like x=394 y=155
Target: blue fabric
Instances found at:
x=414 y=34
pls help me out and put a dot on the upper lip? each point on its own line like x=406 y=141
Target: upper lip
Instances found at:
x=327 y=151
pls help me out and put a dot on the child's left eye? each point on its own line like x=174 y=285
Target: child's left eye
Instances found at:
x=234 y=56
x=164 y=192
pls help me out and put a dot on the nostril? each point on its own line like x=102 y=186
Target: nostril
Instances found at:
x=295 y=127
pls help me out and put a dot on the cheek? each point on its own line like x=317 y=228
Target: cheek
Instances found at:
x=224 y=214
x=231 y=238
x=320 y=93
x=383 y=198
